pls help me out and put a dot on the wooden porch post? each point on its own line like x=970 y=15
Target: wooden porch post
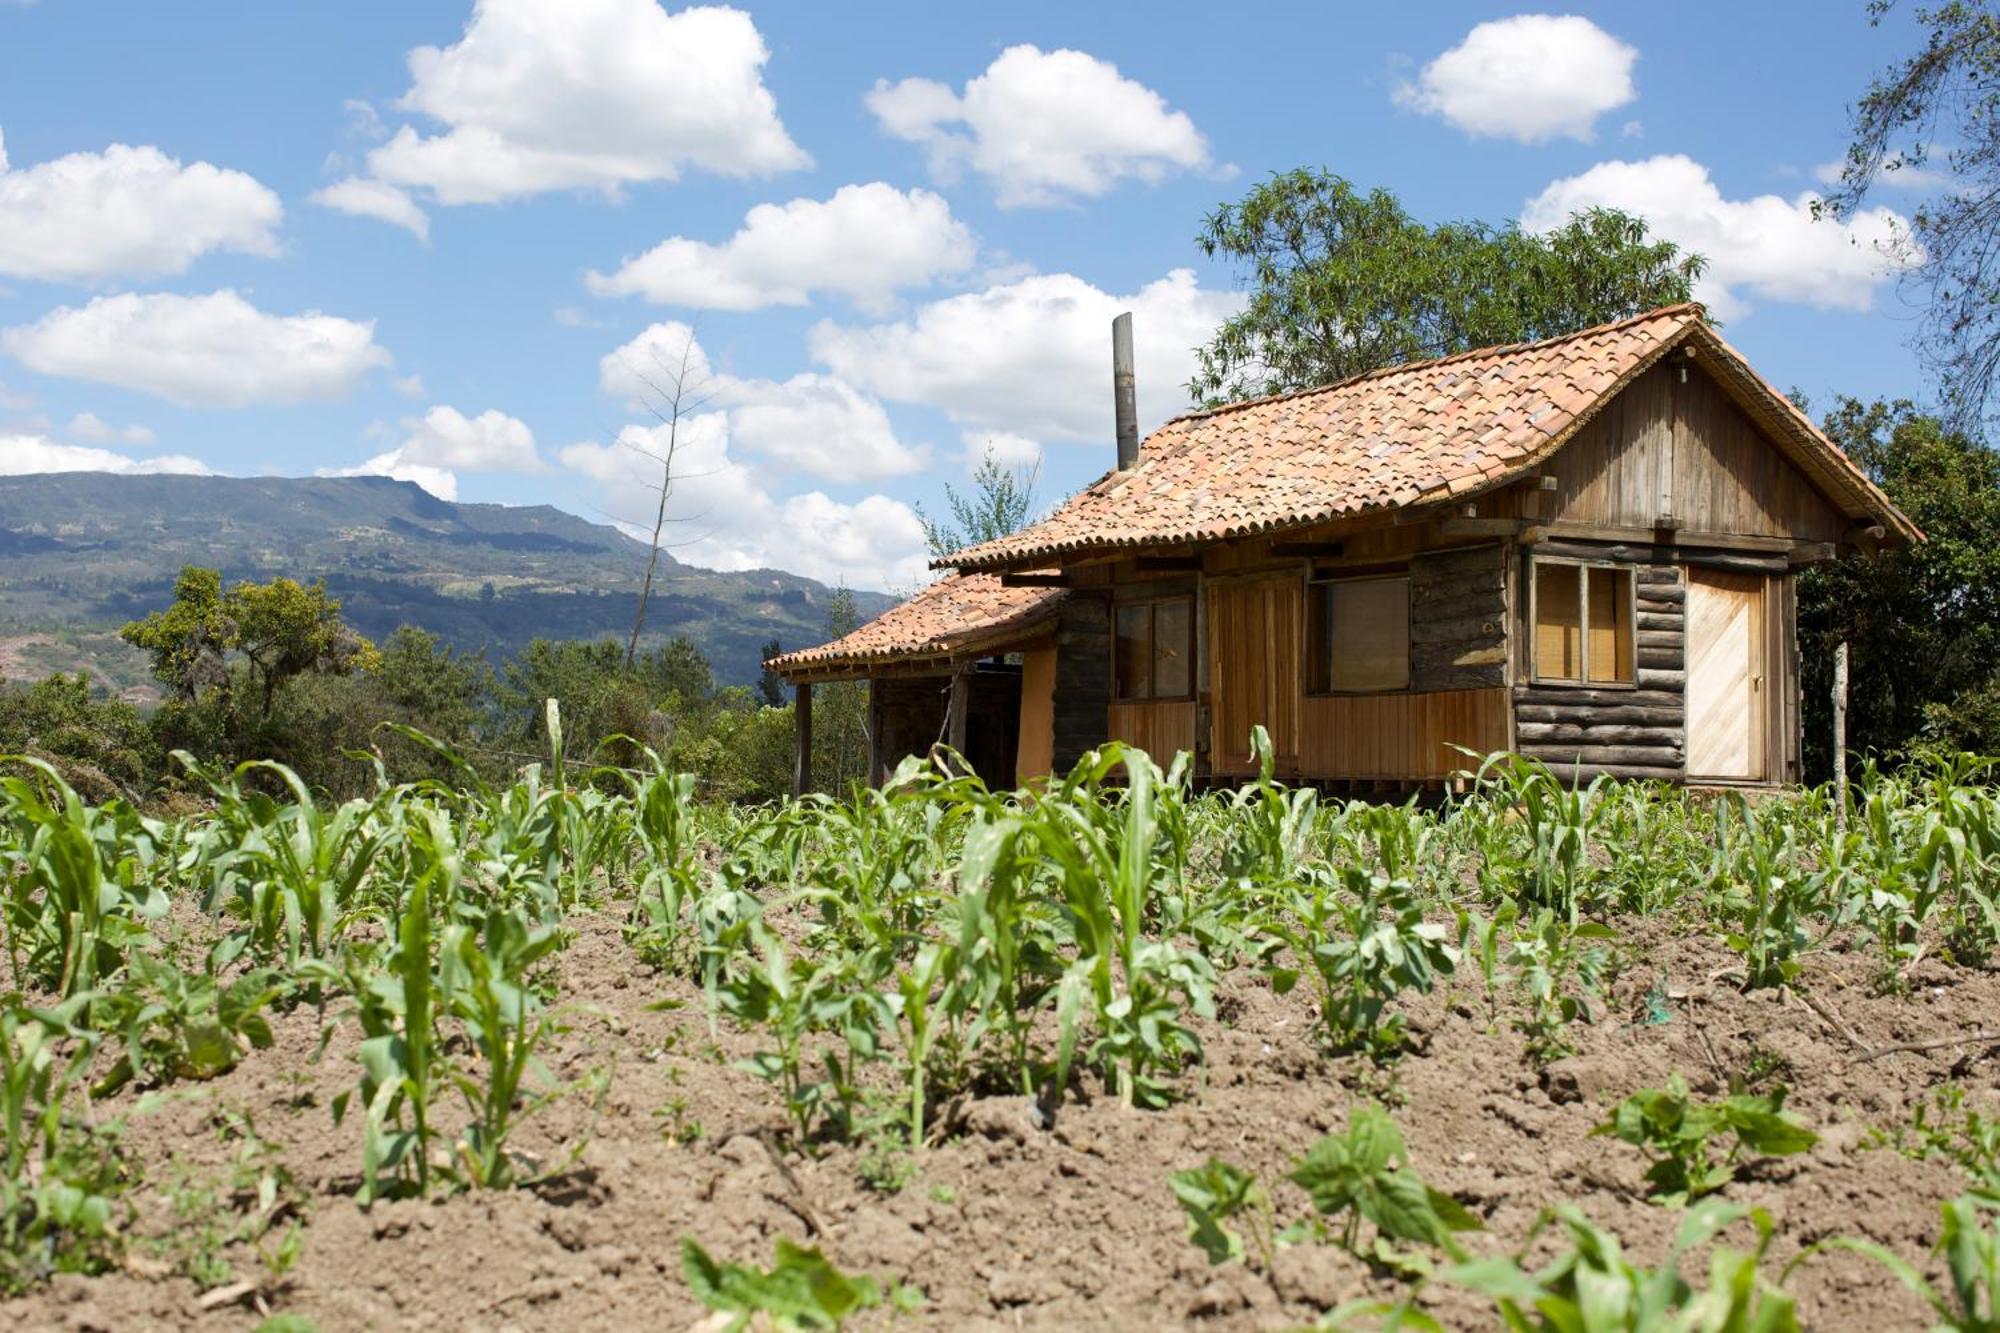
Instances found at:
x=802 y=716
x=956 y=710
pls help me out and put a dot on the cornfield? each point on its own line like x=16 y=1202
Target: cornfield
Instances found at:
x=908 y=973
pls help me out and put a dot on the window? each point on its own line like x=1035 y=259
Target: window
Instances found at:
x=1583 y=622
x=1360 y=635
x=1154 y=652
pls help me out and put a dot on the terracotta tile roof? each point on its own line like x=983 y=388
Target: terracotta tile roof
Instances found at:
x=958 y=614
x=1402 y=436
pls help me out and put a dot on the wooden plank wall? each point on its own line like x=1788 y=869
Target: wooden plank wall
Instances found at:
x=1034 y=757
x=1162 y=730
x=1256 y=665
x=1664 y=447
x=1639 y=732
x=1458 y=619
x=1399 y=736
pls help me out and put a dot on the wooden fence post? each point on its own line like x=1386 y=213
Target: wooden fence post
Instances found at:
x=1840 y=733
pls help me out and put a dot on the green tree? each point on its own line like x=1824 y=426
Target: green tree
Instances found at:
x=282 y=629
x=840 y=710
x=1935 y=117
x=188 y=641
x=436 y=688
x=285 y=629
x=770 y=685
x=1002 y=498
x=1922 y=622
x=1344 y=282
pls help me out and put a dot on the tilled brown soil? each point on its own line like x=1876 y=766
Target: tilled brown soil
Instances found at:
x=1011 y=1225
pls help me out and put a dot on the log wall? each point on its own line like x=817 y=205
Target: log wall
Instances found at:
x=1631 y=732
x=1082 y=694
x=1458 y=619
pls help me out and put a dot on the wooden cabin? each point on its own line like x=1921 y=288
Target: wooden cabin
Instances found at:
x=1583 y=549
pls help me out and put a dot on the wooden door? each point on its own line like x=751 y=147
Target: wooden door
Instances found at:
x=1728 y=697
x=1255 y=631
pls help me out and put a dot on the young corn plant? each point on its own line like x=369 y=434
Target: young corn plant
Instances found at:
x=669 y=881
x=1104 y=855
x=1681 y=1136
x=484 y=983
x=80 y=893
x=291 y=871
x=402 y=1065
x=1552 y=872
x=60 y=1180
x=1761 y=891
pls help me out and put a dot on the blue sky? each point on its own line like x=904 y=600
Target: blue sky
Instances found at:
x=311 y=236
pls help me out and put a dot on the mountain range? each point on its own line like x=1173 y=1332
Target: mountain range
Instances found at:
x=82 y=553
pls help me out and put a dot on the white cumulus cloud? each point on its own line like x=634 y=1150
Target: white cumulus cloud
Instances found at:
x=23 y=454
x=586 y=94
x=441 y=482
x=1766 y=246
x=1043 y=126
x=1531 y=78
x=863 y=243
x=490 y=442
x=364 y=198
x=1017 y=453
x=722 y=516
x=93 y=429
x=213 y=350
x=1033 y=357
x=817 y=424
x=444 y=442
x=127 y=211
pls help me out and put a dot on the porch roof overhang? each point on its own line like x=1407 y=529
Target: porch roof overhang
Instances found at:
x=957 y=620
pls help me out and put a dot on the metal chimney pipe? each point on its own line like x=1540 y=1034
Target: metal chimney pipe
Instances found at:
x=1125 y=392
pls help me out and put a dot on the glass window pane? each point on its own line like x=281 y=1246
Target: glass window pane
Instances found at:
x=1558 y=622
x=1371 y=634
x=1610 y=625
x=1133 y=654
x=1173 y=637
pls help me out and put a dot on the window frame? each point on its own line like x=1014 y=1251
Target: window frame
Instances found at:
x=1152 y=647
x=1314 y=582
x=1583 y=565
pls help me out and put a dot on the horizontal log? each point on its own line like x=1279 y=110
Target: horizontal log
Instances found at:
x=1646 y=756
x=1663 y=680
x=1464 y=559
x=1591 y=732
x=1662 y=638
x=1659 y=560
x=1656 y=579
x=1448 y=604
x=1662 y=596
x=1466 y=629
x=1671 y=621
x=1659 y=659
x=1587 y=773
x=1458 y=654
x=1445 y=677
x=1574 y=696
x=1614 y=714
